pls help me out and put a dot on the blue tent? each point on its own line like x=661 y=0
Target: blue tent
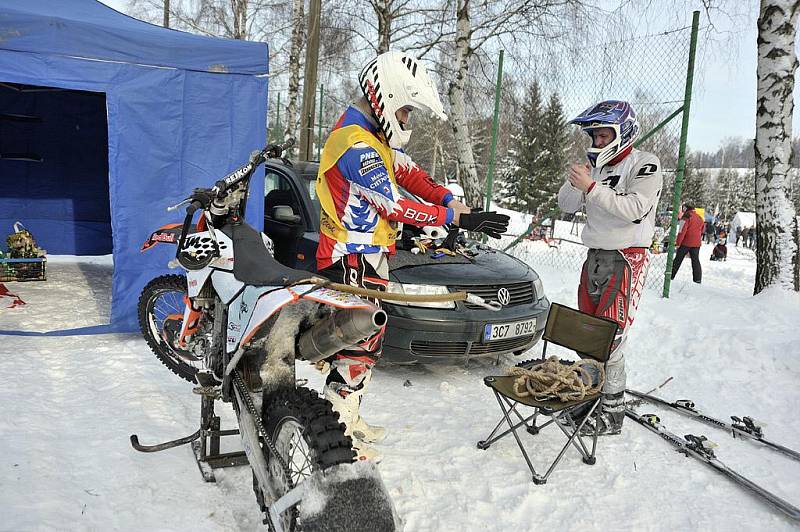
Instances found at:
x=106 y=120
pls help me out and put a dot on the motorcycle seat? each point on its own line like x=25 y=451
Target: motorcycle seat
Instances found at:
x=253 y=264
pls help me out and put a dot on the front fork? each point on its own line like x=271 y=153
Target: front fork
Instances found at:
x=191 y=320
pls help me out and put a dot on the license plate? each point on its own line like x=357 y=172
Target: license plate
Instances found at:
x=501 y=331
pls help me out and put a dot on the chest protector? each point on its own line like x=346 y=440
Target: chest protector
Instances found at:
x=340 y=140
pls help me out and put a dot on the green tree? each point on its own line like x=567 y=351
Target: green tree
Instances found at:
x=518 y=187
x=695 y=188
x=548 y=173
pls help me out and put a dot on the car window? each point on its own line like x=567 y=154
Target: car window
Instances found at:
x=275 y=181
x=278 y=190
x=312 y=193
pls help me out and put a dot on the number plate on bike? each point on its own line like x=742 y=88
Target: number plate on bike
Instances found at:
x=501 y=331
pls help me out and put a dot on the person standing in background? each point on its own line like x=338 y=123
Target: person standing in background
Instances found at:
x=688 y=241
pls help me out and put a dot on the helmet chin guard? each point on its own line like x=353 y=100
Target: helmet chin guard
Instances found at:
x=394 y=80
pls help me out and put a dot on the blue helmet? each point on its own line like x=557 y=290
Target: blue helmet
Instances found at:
x=614 y=114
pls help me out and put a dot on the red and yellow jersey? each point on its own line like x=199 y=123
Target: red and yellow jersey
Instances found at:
x=357 y=188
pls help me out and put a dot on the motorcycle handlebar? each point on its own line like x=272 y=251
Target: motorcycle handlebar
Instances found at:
x=271 y=151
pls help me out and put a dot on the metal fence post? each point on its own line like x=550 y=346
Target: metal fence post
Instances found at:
x=676 y=197
x=495 y=124
x=319 y=134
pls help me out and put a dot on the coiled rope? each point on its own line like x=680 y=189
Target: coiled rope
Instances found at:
x=553 y=379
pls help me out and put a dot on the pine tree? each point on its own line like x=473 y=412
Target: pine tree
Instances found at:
x=694 y=189
x=526 y=149
x=549 y=173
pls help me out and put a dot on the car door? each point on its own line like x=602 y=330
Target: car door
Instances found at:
x=284 y=222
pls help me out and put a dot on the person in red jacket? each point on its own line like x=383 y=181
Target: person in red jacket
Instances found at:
x=689 y=239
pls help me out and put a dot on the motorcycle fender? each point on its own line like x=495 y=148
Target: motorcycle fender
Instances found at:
x=170 y=234
x=333 y=298
x=251 y=309
x=226 y=285
x=195 y=279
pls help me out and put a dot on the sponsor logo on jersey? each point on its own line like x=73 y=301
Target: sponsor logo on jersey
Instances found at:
x=418 y=216
x=367 y=167
x=378 y=182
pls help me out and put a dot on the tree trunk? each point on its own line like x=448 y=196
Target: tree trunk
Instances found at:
x=776 y=249
x=383 y=9
x=239 y=8
x=467 y=170
x=166 y=13
x=298 y=20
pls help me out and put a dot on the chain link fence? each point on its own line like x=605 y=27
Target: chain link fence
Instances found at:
x=649 y=71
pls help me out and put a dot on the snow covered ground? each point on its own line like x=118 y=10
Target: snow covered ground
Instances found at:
x=71 y=403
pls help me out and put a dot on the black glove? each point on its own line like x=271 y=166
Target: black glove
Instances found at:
x=204 y=196
x=491 y=223
x=450 y=241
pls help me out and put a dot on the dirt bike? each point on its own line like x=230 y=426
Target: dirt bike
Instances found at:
x=234 y=324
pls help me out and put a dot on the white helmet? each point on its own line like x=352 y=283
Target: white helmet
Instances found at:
x=394 y=80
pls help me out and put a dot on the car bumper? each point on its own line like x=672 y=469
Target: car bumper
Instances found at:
x=418 y=334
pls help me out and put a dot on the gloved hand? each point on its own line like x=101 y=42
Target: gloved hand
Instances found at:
x=203 y=195
x=450 y=241
x=491 y=223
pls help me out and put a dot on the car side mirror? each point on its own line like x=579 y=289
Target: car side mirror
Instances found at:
x=284 y=213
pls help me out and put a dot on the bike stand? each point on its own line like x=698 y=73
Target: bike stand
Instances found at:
x=205 y=441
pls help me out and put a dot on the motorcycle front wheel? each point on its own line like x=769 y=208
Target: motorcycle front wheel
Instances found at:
x=161 y=307
x=308 y=435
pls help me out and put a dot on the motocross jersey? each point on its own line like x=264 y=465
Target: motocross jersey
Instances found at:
x=621 y=205
x=357 y=188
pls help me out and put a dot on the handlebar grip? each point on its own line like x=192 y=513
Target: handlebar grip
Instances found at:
x=193 y=207
x=276 y=150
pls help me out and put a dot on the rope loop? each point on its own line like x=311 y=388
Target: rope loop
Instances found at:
x=553 y=379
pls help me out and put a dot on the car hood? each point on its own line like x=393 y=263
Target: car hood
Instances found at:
x=488 y=267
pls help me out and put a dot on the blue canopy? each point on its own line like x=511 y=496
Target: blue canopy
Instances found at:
x=106 y=120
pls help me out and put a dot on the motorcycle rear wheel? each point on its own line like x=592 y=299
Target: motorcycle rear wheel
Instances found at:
x=160 y=311
x=308 y=435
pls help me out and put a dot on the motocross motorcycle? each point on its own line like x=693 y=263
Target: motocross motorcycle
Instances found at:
x=234 y=324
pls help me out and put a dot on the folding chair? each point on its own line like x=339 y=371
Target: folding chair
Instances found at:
x=591 y=337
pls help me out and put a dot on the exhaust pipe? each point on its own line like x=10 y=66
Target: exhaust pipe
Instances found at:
x=342 y=329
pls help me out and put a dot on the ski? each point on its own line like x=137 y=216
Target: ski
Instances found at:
x=744 y=427
x=699 y=447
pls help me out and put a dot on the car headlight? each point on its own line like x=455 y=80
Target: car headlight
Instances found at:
x=538 y=289
x=420 y=289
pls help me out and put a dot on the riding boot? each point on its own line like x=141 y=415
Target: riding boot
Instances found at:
x=347 y=402
x=609 y=420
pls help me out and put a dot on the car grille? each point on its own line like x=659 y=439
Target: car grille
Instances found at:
x=439 y=348
x=445 y=349
x=521 y=293
x=500 y=345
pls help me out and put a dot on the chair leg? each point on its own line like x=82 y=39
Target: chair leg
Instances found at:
x=571 y=441
x=491 y=438
x=484 y=444
x=578 y=442
x=591 y=459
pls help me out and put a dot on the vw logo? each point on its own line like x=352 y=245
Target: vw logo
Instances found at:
x=504 y=296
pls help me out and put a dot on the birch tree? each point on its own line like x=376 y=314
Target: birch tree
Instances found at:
x=776 y=248
x=513 y=20
x=298 y=32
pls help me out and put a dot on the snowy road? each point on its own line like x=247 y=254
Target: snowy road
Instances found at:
x=71 y=403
